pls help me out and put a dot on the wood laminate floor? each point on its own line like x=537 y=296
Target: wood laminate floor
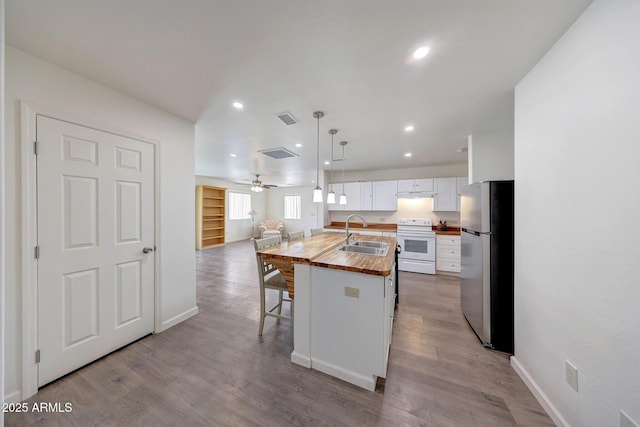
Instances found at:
x=213 y=369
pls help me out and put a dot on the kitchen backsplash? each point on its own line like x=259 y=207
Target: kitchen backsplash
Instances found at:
x=407 y=208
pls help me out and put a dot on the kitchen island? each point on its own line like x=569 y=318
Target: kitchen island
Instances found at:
x=343 y=306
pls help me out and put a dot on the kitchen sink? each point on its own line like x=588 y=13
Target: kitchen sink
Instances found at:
x=367 y=244
x=361 y=249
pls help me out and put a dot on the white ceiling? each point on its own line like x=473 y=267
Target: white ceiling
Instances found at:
x=348 y=58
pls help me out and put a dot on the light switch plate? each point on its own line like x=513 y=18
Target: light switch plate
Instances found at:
x=571 y=375
x=351 y=292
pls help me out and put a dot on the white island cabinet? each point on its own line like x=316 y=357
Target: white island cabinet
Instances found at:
x=343 y=305
x=351 y=323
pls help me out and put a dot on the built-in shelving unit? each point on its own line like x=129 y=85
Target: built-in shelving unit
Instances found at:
x=210 y=212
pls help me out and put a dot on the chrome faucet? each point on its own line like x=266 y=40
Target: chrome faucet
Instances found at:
x=364 y=224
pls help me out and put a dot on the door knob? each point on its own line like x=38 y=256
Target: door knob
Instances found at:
x=147 y=250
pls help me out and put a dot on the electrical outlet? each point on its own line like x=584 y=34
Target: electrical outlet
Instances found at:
x=626 y=421
x=571 y=375
x=351 y=292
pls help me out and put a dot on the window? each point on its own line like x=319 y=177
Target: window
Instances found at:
x=292 y=207
x=239 y=205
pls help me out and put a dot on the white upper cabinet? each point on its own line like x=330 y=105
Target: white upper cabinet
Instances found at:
x=366 y=196
x=424 y=185
x=352 y=190
x=406 y=185
x=385 y=195
x=337 y=189
x=445 y=196
x=415 y=188
x=463 y=181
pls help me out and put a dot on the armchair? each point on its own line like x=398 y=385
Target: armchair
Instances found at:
x=271 y=227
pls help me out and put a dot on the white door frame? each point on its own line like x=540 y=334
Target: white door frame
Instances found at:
x=29 y=333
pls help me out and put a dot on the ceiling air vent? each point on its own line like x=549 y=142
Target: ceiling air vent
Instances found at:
x=287 y=118
x=278 y=153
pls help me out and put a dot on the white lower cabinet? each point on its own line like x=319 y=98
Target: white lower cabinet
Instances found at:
x=351 y=324
x=448 y=253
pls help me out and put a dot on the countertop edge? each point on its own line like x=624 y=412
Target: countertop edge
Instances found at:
x=386 y=262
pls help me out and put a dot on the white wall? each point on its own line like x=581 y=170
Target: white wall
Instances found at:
x=238 y=229
x=312 y=215
x=2 y=208
x=491 y=156
x=35 y=81
x=577 y=156
x=443 y=171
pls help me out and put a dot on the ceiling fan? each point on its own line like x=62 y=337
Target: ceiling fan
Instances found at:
x=257 y=185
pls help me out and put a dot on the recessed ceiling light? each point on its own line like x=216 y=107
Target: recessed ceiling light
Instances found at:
x=327 y=163
x=421 y=52
x=408 y=154
x=409 y=128
x=232 y=155
x=298 y=145
x=238 y=105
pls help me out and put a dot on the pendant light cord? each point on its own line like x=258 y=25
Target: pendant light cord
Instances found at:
x=332 y=132
x=318 y=156
x=343 y=167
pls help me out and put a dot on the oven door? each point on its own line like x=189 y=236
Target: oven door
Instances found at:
x=417 y=247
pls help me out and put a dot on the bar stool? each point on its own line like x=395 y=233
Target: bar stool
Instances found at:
x=295 y=235
x=270 y=278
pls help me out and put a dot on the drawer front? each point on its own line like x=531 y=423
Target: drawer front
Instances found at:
x=448 y=264
x=448 y=251
x=448 y=240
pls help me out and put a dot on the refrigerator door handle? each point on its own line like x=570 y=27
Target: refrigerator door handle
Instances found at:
x=477 y=233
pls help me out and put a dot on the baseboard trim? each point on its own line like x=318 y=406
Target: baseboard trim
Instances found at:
x=301 y=360
x=179 y=318
x=13 y=397
x=544 y=400
x=368 y=383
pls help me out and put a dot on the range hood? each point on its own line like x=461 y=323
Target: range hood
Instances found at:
x=415 y=195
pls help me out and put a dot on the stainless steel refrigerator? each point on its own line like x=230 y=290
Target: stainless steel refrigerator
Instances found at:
x=486 y=276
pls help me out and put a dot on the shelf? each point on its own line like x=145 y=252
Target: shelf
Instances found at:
x=210 y=216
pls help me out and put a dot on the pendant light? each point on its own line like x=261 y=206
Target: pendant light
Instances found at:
x=343 y=196
x=317 y=192
x=331 y=196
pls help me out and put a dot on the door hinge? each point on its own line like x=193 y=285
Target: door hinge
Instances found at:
x=37 y=356
x=36 y=252
x=35 y=147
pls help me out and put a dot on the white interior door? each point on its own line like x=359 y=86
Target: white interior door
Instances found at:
x=95 y=195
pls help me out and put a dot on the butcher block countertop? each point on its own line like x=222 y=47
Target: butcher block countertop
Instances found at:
x=321 y=251
x=357 y=225
x=306 y=249
x=360 y=263
x=450 y=231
